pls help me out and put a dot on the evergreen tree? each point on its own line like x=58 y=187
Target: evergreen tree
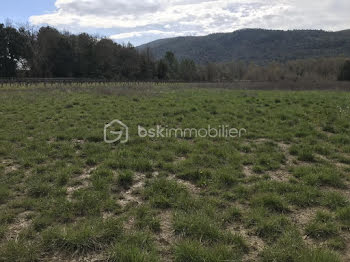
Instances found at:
x=162 y=70
x=344 y=74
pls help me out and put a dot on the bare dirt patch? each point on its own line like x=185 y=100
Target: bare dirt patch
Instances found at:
x=191 y=187
x=78 y=141
x=9 y=165
x=285 y=149
x=83 y=181
x=21 y=223
x=301 y=218
x=166 y=237
x=129 y=224
x=131 y=195
x=179 y=159
x=248 y=172
x=256 y=244
x=51 y=140
x=280 y=175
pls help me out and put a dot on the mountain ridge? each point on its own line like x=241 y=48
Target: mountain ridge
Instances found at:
x=255 y=45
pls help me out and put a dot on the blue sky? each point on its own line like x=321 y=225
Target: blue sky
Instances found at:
x=141 y=21
x=21 y=10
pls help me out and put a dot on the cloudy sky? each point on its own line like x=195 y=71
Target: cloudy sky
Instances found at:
x=140 y=21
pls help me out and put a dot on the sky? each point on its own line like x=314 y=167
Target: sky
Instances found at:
x=141 y=21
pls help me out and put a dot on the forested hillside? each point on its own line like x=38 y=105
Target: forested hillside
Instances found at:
x=47 y=53
x=255 y=45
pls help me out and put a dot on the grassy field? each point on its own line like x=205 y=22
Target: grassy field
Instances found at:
x=279 y=193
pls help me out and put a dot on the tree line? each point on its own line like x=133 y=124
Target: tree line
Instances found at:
x=47 y=53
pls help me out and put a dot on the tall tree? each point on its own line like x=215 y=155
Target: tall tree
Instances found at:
x=147 y=65
x=12 y=49
x=162 y=70
x=188 y=70
x=344 y=74
x=173 y=65
x=46 y=49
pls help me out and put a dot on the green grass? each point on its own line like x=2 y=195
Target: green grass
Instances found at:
x=84 y=237
x=163 y=193
x=146 y=217
x=272 y=202
x=137 y=247
x=194 y=251
x=126 y=178
x=64 y=191
x=322 y=226
x=18 y=251
x=319 y=176
x=290 y=247
x=4 y=194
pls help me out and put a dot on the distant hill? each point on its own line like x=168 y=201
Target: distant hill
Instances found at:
x=256 y=45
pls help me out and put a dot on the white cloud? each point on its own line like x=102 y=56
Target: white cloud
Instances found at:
x=150 y=32
x=131 y=19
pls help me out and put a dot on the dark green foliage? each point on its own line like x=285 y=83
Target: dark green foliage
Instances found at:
x=344 y=74
x=50 y=53
x=13 y=45
x=187 y=70
x=162 y=69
